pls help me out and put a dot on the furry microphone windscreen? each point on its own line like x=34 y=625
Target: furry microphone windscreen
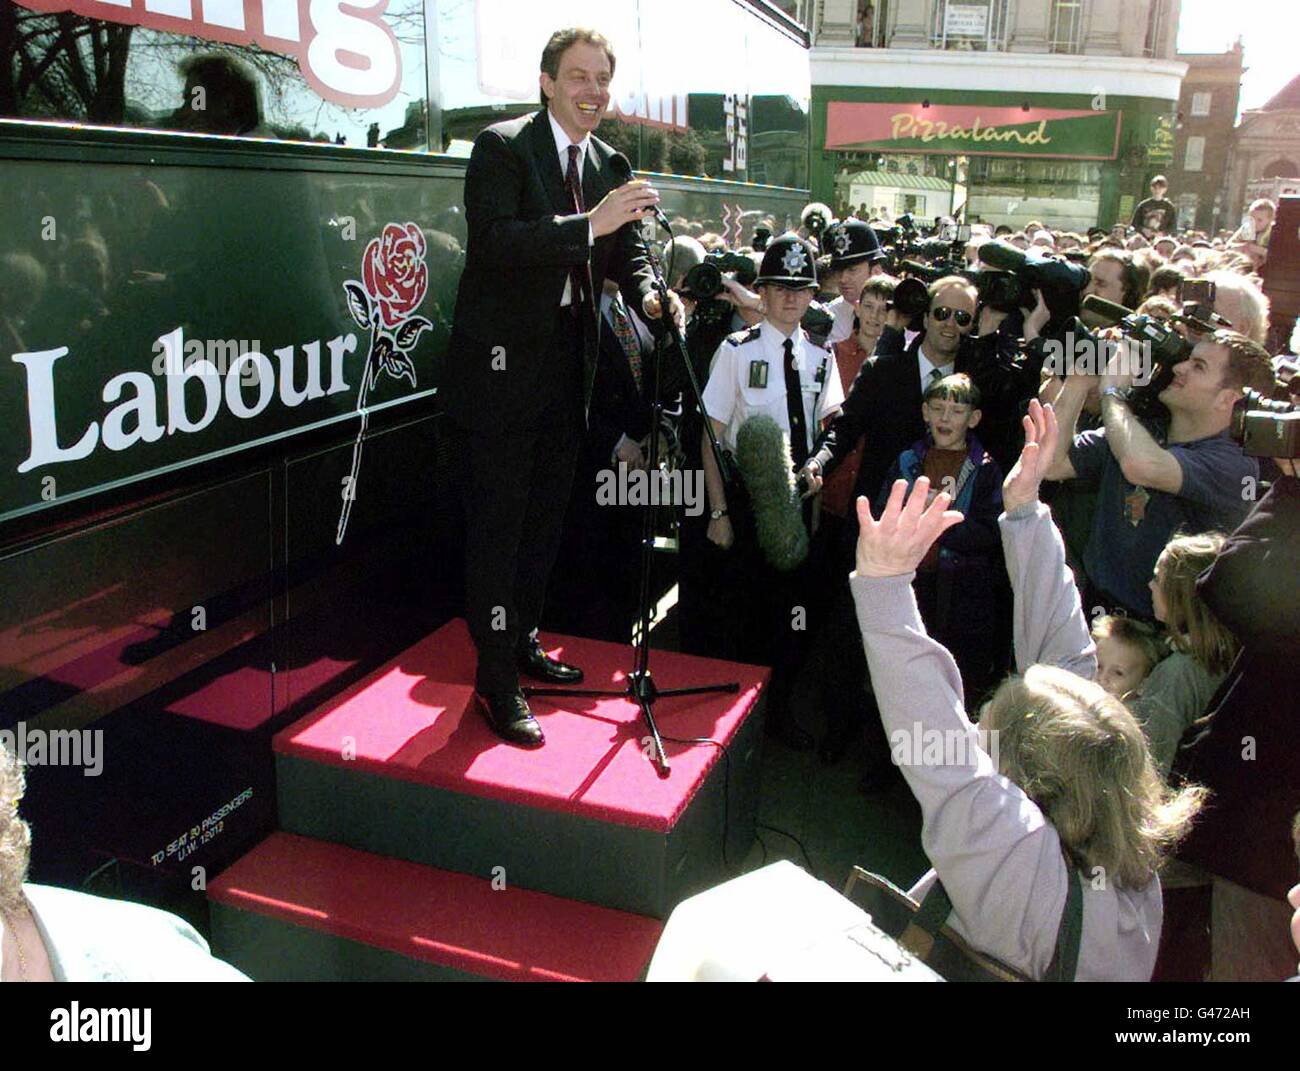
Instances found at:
x=763 y=458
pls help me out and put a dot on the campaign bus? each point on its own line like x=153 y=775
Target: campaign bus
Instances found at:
x=225 y=492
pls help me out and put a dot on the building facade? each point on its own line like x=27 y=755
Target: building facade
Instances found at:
x=1266 y=148
x=1207 y=117
x=973 y=108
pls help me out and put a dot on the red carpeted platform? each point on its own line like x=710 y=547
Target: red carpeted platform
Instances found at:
x=402 y=765
x=412 y=719
x=296 y=909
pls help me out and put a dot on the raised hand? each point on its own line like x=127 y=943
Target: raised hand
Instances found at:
x=897 y=543
x=1041 y=435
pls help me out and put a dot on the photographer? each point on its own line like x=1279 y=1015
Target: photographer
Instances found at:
x=1155 y=481
x=1244 y=750
x=703 y=596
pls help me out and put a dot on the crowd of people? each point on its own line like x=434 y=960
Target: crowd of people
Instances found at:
x=1129 y=698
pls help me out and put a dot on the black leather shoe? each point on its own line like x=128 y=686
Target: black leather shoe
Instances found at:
x=542 y=667
x=509 y=717
x=791 y=735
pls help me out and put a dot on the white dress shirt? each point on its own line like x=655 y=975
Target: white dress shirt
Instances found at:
x=928 y=366
x=562 y=143
x=729 y=399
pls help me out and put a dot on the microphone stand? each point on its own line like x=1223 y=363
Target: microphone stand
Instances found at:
x=641 y=688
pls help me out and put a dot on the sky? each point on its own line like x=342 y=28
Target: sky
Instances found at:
x=1267 y=31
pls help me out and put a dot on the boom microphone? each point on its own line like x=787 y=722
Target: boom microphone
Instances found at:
x=622 y=167
x=1108 y=312
x=763 y=458
x=1002 y=255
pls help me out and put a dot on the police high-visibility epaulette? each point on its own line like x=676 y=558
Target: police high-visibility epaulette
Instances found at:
x=739 y=338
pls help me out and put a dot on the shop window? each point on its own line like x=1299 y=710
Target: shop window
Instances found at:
x=909 y=202
x=1066 y=31
x=1155 y=44
x=869 y=26
x=970 y=25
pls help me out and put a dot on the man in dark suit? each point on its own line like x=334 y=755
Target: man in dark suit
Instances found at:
x=601 y=540
x=547 y=213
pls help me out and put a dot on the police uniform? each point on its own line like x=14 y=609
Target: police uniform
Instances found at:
x=849 y=242
x=747 y=377
x=760 y=372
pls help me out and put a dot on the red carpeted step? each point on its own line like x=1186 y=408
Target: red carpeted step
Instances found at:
x=413 y=719
x=440 y=917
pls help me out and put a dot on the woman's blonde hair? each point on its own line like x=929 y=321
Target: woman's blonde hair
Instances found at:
x=1193 y=628
x=1081 y=756
x=15 y=837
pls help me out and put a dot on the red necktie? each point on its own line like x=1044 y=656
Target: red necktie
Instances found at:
x=573 y=183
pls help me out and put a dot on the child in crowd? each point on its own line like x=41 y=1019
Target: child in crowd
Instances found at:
x=954 y=582
x=1127 y=650
x=1179 y=688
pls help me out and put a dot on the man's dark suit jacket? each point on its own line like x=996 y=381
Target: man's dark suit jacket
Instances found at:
x=524 y=237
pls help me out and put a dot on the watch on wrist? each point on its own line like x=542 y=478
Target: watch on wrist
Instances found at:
x=1115 y=392
x=717 y=514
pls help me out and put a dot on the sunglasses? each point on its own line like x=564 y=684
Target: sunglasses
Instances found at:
x=942 y=313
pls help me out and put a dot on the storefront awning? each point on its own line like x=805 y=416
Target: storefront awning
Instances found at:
x=899 y=181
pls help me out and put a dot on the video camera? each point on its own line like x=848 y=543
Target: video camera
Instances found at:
x=1264 y=427
x=704 y=281
x=1014 y=274
x=1165 y=345
x=815 y=218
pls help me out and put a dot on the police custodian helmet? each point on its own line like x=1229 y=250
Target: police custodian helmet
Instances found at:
x=788 y=261
x=849 y=242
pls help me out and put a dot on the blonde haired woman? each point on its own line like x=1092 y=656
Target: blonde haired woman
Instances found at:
x=56 y=935
x=1074 y=785
x=1179 y=689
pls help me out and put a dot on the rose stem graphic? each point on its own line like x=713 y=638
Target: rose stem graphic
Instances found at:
x=350 y=496
x=394 y=281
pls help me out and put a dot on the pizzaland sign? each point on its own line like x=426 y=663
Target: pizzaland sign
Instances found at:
x=973 y=130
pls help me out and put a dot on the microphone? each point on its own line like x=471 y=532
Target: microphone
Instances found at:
x=763 y=459
x=1107 y=311
x=622 y=167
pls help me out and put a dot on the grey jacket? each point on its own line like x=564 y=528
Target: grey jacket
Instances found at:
x=999 y=857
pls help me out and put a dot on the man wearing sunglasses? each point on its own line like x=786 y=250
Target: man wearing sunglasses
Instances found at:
x=885 y=401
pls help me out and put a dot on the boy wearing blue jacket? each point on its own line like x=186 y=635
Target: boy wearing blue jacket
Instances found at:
x=958 y=583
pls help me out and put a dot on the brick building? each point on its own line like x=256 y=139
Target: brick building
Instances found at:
x=1207 y=116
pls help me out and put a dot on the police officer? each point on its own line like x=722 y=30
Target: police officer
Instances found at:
x=771 y=369
x=855 y=253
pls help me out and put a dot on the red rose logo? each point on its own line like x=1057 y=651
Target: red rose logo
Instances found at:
x=394 y=272
x=394 y=281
